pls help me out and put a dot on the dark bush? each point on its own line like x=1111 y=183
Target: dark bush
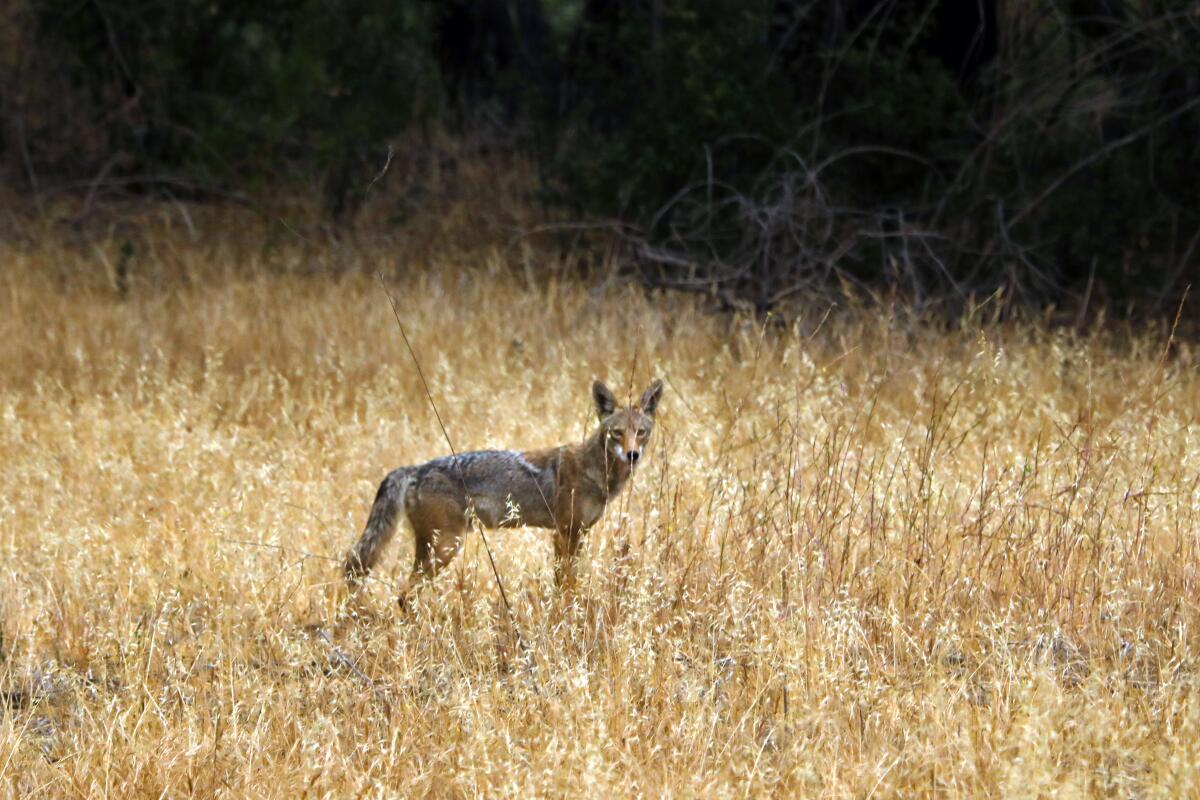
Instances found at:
x=223 y=91
x=765 y=148
x=774 y=148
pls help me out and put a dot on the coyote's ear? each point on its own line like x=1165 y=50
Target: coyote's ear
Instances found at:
x=650 y=398
x=605 y=402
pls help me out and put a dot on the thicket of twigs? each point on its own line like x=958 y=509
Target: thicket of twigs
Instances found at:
x=867 y=556
x=937 y=151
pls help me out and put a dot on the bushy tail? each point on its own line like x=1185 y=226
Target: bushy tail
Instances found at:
x=381 y=525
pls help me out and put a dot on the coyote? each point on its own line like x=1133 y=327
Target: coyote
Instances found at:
x=564 y=488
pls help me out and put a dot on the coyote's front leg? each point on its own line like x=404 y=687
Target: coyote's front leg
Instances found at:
x=566 y=545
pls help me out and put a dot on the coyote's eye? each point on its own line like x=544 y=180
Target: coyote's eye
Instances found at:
x=643 y=433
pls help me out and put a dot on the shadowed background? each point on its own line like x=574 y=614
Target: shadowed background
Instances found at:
x=761 y=151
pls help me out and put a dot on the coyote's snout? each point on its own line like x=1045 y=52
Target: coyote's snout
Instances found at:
x=564 y=488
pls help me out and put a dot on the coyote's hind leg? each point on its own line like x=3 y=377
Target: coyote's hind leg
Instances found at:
x=435 y=547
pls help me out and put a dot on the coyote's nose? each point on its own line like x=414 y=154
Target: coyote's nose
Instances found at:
x=634 y=455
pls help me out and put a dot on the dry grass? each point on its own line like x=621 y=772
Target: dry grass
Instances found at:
x=881 y=560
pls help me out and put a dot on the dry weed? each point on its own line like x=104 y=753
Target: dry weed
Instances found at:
x=881 y=560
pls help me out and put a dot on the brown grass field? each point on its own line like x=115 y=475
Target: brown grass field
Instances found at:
x=871 y=557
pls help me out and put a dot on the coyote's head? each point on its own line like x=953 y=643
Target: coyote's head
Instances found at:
x=626 y=430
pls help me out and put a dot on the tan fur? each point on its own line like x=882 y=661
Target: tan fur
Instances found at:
x=564 y=488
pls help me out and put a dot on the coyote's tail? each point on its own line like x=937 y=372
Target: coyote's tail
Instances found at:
x=381 y=525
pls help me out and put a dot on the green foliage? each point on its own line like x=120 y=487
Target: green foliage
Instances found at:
x=943 y=168
x=770 y=144
x=233 y=91
x=678 y=81
x=656 y=93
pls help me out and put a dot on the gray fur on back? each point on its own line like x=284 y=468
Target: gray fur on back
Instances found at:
x=494 y=483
